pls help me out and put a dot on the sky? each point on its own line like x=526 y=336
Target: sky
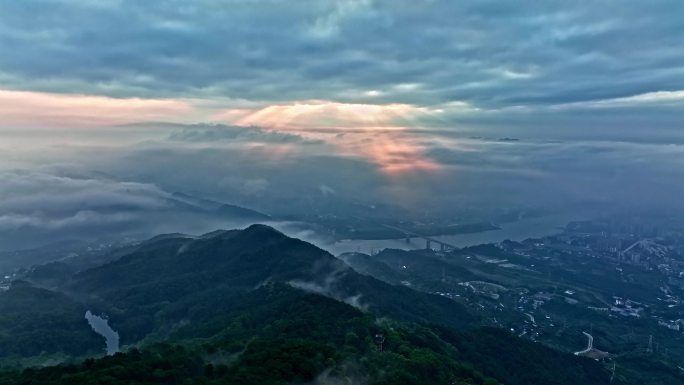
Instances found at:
x=446 y=106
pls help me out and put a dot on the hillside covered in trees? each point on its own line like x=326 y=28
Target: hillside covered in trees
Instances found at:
x=256 y=307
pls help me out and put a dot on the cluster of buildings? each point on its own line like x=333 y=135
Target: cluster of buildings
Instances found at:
x=627 y=307
x=627 y=248
x=647 y=247
x=633 y=243
x=5 y=283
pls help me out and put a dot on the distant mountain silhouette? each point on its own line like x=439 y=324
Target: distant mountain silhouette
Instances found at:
x=217 y=208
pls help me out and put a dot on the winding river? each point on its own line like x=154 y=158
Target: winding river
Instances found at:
x=515 y=231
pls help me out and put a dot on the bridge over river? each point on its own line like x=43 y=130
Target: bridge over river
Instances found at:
x=443 y=246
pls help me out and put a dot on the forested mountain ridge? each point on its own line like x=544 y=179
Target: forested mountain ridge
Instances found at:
x=255 y=306
x=278 y=334
x=134 y=288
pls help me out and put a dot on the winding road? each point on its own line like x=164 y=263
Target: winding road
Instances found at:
x=590 y=344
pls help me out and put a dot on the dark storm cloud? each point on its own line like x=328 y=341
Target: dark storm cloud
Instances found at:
x=488 y=54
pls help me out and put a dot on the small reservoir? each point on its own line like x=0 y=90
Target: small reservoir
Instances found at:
x=101 y=326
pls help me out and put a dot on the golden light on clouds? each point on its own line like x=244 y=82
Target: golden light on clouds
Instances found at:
x=395 y=152
x=374 y=131
x=43 y=110
x=378 y=132
x=326 y=114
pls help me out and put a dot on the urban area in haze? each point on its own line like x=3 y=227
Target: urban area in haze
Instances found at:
x=341 y=192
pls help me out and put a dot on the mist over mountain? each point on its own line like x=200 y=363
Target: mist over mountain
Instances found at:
x=133 y=189
x=42 y=208
x=341 y=192
x=180 y=289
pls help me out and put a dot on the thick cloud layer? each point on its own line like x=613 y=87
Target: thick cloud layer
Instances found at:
x=413 y=109
x=92 y=186
x=51 y=204
x=546 y=64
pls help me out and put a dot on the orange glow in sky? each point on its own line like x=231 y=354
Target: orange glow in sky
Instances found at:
x=321 y=114
x=40 y=110
x=374 y=131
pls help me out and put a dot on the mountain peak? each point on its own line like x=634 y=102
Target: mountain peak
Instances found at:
x=261 y=233
x=261 y=228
